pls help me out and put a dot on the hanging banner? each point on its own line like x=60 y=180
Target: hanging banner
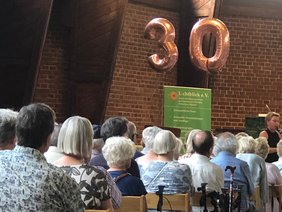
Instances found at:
x=187 y=108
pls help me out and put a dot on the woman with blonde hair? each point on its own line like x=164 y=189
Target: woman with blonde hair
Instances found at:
x=75 y=141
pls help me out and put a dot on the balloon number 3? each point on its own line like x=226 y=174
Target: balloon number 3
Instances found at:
x=163 y=31
x=199 y=30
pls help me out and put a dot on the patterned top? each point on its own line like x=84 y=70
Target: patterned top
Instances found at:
x=176 y=177
x=29 y=183
x=93 y=184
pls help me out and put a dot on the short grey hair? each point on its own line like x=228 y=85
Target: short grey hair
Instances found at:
x=75 y=137
x=148 y=136
x=164 y=142
x=246 y=144
x=118 y=151
x=227 y=142
x=8 y=120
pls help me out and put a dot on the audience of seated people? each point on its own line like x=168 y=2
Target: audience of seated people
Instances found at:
x=204 y=171
x=273 y=174
x=8 y=119
x=54 y=153
x=176 y=177
x=27 y=181
x=227 y=147
x=114 y=126
x=278 y=163
x=75 y=140
x=246 y=152
x=118 y=152
x=79 y=184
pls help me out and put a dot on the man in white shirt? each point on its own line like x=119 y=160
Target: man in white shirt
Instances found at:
x=204 y=171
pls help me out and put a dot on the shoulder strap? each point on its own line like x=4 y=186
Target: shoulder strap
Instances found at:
x=157 y=175
x=120 y=177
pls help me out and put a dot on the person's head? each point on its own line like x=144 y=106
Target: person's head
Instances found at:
x=148 y=136
x=34 y=126
x=240 y=135
x=226 y=142
x=272 y=120
x=55 y=134
x=75 y=138
x=279 y=148
x=97 y=131
x=164 y=143
x=189 y=145
x=7 y=128
x=114 y=126
x=132 y=131
x=246 y=144
x=202 y=143
x=118 y=152
x=262 y=147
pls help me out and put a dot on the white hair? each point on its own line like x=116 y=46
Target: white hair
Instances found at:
x=246 y=144
x=262 y=147
x=279 y=148
x=189 y=145
x=8 y=119
x=226 y=142
x=118 y=151
x=75 y=137
x=164 y=142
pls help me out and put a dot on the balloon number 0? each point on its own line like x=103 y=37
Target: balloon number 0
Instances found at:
x=199 y=30
x=162 y=30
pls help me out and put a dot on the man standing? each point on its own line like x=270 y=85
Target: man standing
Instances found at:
x=272 y=135
x=27 y=181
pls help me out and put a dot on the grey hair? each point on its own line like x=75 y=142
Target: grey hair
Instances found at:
x=246 y=144
x=227 y=142
x=148 y=136
x=8 y=120
x=164 y=142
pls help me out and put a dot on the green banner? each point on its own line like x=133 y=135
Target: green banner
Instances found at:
x=187 y=108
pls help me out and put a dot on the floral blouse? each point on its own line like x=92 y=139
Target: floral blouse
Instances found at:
x=93 y=184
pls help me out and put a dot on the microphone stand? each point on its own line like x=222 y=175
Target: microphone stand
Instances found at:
x=160 y=194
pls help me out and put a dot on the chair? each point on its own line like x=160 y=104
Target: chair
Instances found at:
x=275 y=191
x=132 y=204
x=179 y=202
x=256 y=197
x=91 y=210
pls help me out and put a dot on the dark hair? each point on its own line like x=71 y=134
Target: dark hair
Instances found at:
x=202 y=144
x=97 y=131
x=114 y=126
x=34 y=124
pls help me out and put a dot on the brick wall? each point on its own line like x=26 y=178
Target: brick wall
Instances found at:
x=252 y=76
x=250 y=80
x=137 y=90
x=51 y=87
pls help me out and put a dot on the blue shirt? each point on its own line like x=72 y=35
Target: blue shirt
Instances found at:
x=29 y=183
x=129 y=185
x=242 y=175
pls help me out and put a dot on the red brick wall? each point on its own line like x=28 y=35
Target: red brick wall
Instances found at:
x=252 y=76
x=51 y=87
x=137 y=90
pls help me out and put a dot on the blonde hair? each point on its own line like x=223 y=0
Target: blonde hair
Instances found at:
x=118 y=151
x=246 y=144
x=189 y=145
x=262 y=147
x=270 y=115
x=75 y=137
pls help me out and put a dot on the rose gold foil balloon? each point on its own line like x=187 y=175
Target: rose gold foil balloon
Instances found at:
x=217 y=28
x=163 y=31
